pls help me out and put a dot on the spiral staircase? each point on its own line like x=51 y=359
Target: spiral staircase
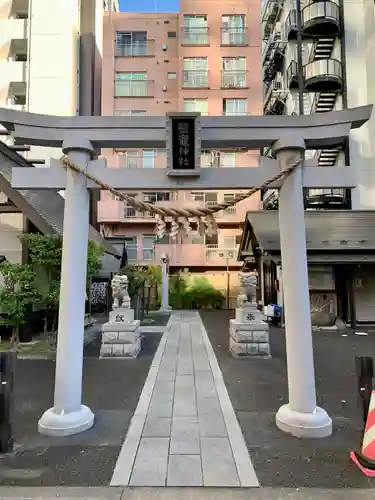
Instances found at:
x=322 y=79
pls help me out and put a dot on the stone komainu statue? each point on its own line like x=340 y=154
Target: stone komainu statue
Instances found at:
x=249 y=283
x=120 y=294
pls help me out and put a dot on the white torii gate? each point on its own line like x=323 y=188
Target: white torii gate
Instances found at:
x=81 y=137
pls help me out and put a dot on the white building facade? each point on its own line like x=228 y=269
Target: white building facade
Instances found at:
x=318 y=57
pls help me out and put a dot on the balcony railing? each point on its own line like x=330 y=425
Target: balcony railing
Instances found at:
x=134 y=88
x=195 y=35
x=321 y=17
x=132 y=213
x=135 y=49
x=195 y=79
x=227 y=212
x=234 y=36
x=233 y=79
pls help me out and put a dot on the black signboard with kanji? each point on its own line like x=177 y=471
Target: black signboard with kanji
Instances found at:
x=183 y=143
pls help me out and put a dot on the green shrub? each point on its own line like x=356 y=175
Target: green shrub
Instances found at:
x=196 y=294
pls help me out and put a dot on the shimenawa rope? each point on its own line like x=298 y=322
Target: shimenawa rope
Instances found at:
x=179 y=217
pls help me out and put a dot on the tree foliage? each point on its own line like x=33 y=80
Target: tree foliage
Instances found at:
x=45 y=253
x=17 y=295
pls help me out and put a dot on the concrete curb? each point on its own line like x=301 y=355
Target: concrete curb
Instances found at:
x=170 y=493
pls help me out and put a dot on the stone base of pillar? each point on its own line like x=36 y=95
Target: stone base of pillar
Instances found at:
x=249 y=334
x=121 y=335
x=304 y=425
x=60 y=424
x=164 y=310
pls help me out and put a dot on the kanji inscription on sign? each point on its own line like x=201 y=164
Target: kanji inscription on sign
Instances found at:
x=120 y=318
x=183 y=143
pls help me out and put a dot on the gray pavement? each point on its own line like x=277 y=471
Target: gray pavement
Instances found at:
x=184 y=494
x=258 y=387
x=184 y=420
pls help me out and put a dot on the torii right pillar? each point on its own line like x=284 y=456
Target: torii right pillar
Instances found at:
x=301 y=417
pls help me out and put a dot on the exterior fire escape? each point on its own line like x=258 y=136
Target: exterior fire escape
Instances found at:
x=322 y=79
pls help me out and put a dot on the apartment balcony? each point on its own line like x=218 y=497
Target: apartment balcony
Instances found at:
x=234 y=36
x=116 y=211
x=271 y=12
x=13 y=29
x=195 y=79
x=327 y=198
x=18 y=9
x=291 y=25
x=136 y=49
x=195 y=36
x=234 y=79
x=323 y=75
x=321 y=18
x=292 y=75
x=275 y=99
x=270 y=199
x=197 y=255
x=134 y=88
x=273 y=55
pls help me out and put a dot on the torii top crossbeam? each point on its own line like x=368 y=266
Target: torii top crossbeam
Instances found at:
x=318 y=130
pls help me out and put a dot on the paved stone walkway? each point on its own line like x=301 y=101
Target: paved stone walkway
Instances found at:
x=184 y=431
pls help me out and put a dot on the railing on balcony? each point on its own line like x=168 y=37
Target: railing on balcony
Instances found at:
x=323 y=73
x=227 y=212
x=135 y=49
x=195 y=79
x=195 y=35
x=134 y=88
x=139 y=159
x=233 y=79
x=234 y=36
x=291 y=24
x=235 y=113
x=322 y=16
x=132 y=213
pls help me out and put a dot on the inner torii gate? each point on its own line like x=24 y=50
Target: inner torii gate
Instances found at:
x=81 y=137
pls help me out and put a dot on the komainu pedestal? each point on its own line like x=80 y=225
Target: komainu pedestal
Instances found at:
x=121 y=335
x=248 y=332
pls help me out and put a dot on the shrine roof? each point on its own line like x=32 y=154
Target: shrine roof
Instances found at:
x=327 y=232
x=44 y=208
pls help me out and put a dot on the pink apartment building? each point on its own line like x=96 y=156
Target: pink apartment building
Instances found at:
x=205 y=58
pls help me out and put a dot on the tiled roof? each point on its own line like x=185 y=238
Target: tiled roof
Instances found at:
x=326 y=230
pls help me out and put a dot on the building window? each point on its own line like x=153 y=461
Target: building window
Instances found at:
x=172 y=76
x=138 y=159
x=233 y=30
x=195 y=72
x=131 y=247
x=148 y=247
x=131 y=84
x=231 y=242
x=234 y=107
x=209 y=197
x=233 y=74
x=130 y=112
x=195 y=30
x=157 y=196
x=131 y=43
x=172 y=34
x=196 y=106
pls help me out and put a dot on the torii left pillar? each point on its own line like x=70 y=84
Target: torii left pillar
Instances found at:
x=68 y=415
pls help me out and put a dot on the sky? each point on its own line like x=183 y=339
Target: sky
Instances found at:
x=149 y=5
